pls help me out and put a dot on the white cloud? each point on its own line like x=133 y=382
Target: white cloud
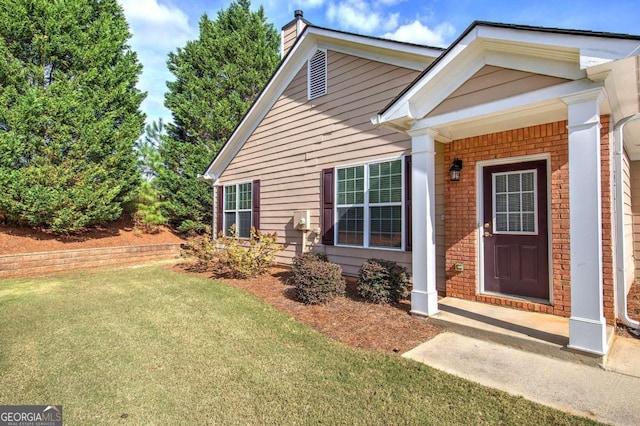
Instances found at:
x=308 y=4
x=157 y=29
x=390 y=2
x=157 y=25
x=418 y=33
x=361 y=16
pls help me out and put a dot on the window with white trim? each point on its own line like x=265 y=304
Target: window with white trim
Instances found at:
x=317 y=74
x=369 y=205
x=237 y=209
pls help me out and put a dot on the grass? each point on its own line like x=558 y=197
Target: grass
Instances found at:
x=149 y=346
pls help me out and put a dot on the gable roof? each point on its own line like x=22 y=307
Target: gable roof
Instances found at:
x=407 y=55
x=590 y=48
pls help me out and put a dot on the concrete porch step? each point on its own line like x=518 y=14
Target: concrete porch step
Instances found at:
x=529 y=331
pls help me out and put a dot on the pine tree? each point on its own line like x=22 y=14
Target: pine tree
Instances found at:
x=67 y=89
x=148 y=146
x=218 y=76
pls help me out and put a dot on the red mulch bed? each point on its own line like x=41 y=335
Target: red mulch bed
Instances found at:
x=115 y=234
x=348 y=319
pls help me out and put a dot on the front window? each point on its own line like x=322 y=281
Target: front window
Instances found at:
x=369 y=205
x=237 y=209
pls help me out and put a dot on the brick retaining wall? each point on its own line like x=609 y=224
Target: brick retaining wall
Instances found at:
x=28 y=264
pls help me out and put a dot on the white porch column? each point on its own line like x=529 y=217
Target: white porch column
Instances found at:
x=587 y=326
x=424 y=297
x=214 y=217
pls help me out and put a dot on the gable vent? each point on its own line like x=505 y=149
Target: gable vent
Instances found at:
x=317 y=72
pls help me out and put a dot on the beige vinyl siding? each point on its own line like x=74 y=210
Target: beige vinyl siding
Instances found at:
x=632 y=168
x=492 y=83
x=289 y=36
x=299 y=138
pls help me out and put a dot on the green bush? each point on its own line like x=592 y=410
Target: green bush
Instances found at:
x=233 y=257
x=316 y=280
x=382 y=281
x=300 y=259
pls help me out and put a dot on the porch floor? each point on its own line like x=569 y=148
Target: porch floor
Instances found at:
x=529 y=331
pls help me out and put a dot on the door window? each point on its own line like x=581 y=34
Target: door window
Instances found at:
x=514 y=202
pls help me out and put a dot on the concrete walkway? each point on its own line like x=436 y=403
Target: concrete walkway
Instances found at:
x=602 y=394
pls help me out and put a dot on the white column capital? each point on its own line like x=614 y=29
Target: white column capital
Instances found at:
x=422 y=131
x=423 y=141
x=596 y=95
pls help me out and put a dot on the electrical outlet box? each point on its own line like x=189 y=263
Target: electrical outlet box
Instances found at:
x=301 y=220
x=459 y=267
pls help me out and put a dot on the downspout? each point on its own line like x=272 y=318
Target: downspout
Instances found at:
x=621 y=291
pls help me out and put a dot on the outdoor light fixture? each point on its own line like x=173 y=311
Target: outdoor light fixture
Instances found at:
x=454 y=171
x=4 y=127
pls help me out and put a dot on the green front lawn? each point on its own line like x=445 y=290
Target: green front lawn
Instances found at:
x=149 y=346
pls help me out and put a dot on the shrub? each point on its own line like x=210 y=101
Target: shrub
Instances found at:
x=247 y=258
x=203 y=249
x=300 y=259
x=233 y=257
x=382 y=281
x=316 y=280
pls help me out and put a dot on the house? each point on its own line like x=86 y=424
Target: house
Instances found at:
x=501 y=170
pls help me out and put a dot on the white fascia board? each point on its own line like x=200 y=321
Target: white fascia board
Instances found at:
x=361 y=45
x=512 y=103
x=401 y=106
x=599 y=53
x=444 y=84
x=378 y=56
x=594 y=49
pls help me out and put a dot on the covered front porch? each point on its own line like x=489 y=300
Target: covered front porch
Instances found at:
x=536 y=220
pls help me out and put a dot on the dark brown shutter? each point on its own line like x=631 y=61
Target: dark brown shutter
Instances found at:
x=220 y=210
x=255 y=204
x=407 y=203
x=327 y=207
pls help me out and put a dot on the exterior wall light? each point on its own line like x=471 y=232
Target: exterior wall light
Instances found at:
x=454 y=171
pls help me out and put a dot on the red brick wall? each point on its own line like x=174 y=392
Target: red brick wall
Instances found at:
x=461 y=239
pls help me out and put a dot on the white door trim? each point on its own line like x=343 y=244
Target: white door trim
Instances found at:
x=480 y=165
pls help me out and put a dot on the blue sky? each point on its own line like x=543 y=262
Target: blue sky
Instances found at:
x=161 y=26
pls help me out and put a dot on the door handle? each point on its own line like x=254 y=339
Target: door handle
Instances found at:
x=487 y=234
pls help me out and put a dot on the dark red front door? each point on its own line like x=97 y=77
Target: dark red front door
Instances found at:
x=515 y=231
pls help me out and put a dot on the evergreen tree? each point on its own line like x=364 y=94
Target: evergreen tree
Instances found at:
x=218 y=76
x=67 y=89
